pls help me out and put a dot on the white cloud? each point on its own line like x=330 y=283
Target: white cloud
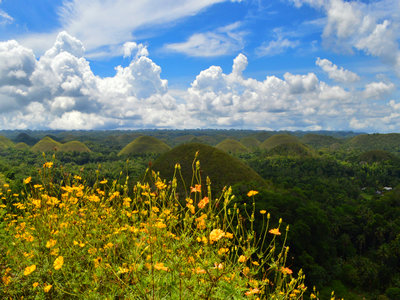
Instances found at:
x=377 y=90
x=369 y=27
x=132 y=49
x=275 y=47
x=60 y=91
x=5 y=18
x=224 y=40
x=103 y=24
x=340 y=75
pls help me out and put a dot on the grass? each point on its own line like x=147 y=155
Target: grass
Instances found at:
x=291 y=150
x=63 y=239
x=277 y=140
x=47 y=144
x=250 y=142
x=5 y=143
x=232 y=146
x=144 y=145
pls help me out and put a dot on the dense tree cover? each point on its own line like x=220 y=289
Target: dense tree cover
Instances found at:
x=341 y=200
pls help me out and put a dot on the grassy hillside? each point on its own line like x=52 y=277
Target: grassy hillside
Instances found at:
x=5 y=143
x=319 y=141
x=47 y=144
x=221 y=167
x=144 y=145
x=25 y=138
x=250 y=142
x=376 y=156
x=365 y=142
x=277 y=140
x=291 y=150
x=74 y=146
x=22 y=146
x=232 y=146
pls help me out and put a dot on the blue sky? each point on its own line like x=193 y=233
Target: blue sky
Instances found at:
x=275 y=65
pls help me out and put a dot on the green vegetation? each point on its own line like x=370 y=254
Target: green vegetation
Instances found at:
x=74 y=146
x=119 y=241
x=144 y=145
x=224 y=169
x=277 y=140
x=251 y=143
x=388 y=142
x=232 y=146
x=318 y=141
x=47 y=144
x=290 y=149
x=5 y=143
x=338 y=191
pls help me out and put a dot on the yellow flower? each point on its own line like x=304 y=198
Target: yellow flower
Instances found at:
x=6 y=280
x=275 y=231
x=160 y=185
x=155 y=209
x=47 y=287
x=196 y=188
x=252 y=193
x=29 y=270
x=191 y=208
x=263 y=212
x=160 y=266
x=104 y=181
x=252 y=291
x=35 y=284
x=27 y=180
x=51 y=243
x=203 y=202
x=48 y=165
x=222 y=251
x=216 y=235
x=58 y=263
x=242 y=259
x=286 y=271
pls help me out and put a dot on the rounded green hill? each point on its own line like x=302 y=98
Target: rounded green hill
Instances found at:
x=277 y=140
x=376 y=156
x=5 y=143
x=46 y=144
x=144 y=145
x=222 y=168
x=291 y=150
x=232 y=146
x=74 y=146
x=250 y=142
x=22 y=146
x=365 y=142
x=319 y=141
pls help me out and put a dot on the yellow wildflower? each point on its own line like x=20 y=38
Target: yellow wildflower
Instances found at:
x=155 y=209
x=104 y=181
x=201 y=221
x=275 y=231
x=263 y=212
x=160 y=266
x=216 y=235
x=203 y=202
x=242 y=259
x=48 y=165
x=196 y=188
x=286 y=271
x=29 y=270
x=58 y=263
x=55 y=251
x=35 y=284
x=252 y=193
x=191 y=208
x=27 y=180
x=47 y=287
x=6 y=279
x=51 y=243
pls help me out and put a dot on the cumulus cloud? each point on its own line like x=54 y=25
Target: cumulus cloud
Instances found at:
x=224 y=40
x=60 y=91
x=335 y=73
x=369 y=27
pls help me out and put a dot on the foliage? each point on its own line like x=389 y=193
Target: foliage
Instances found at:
x=144 y=145
x=68 y=239
x=232 y=146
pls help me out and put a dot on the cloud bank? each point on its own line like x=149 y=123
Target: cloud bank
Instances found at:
x=60 y=91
